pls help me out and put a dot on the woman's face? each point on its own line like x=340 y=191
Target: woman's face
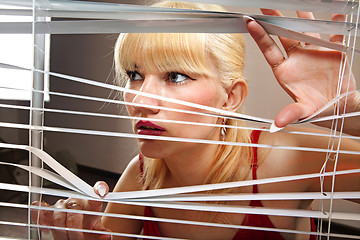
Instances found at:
x=190 y=87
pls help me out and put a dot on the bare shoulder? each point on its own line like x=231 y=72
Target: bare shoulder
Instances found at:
x=275 y=152
x=297 y=137
x=290 y=152
x=299 y=151
x=300 y=141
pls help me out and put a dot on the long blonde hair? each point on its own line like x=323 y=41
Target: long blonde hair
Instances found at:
x=190 y=52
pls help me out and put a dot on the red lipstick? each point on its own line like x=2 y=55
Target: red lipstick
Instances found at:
x=149 y=128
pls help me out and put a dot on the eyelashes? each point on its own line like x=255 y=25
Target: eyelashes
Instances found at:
x=172 y=77
x=178 y=78
x=134 y=75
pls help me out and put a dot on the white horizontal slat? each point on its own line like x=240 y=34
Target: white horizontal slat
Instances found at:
x=329 y=6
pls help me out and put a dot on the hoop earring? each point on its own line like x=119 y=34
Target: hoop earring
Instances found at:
x=223 y=129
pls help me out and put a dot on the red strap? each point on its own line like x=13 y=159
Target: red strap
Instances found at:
x=141 y=164
x=254 y=139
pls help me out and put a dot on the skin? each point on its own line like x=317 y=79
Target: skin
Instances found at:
x=202 y=91
x=179 y=157
x=189 y=87
x=306 y=69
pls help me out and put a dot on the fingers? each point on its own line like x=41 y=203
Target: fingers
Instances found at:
x=272 y=53
x=101 y=188
x=271 y=12
x=308 y=15
x=59 y=220
x=290 y=44
x=334 y=37
x=84 y=221
x=41 y=217
x=287 y=43
x=70 y=219
x=94 y=221
x=75 y=220
x=292 y=113
x=268 y=47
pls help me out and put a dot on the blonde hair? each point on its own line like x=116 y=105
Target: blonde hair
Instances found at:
x=190 y=52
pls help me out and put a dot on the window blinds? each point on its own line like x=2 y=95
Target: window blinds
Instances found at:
x=81 y=17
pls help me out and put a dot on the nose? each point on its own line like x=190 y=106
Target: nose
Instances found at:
x=145 y=104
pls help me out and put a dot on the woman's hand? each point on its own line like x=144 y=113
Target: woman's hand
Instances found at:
x=309 y=74
x=74 y=220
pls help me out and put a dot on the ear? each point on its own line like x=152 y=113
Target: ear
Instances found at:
x=236 y=95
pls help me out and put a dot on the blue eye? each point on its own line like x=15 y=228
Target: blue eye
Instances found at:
x=175 y=77
x=134 y=75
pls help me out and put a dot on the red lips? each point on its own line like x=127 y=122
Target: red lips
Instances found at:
x=149 y=128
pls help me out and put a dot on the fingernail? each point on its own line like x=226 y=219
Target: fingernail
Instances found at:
x=274 y=128
x=248 y=18
x=102 y=190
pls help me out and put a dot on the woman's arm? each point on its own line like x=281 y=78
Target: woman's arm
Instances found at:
x=129 y=181
x=309 y=74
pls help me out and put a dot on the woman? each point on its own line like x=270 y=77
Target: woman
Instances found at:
x=207 y=69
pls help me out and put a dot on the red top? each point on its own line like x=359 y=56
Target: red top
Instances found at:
x=254 y=220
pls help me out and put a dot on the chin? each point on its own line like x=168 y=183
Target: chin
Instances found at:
x=151 y=154
x=151 y=148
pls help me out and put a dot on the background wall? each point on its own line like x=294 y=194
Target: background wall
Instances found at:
x=90 y=57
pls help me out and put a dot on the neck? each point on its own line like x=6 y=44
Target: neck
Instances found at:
x=190 y=168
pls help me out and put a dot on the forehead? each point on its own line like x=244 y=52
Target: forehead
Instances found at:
x=165 y=52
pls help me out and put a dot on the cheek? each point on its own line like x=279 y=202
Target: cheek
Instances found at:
x=128 y=98
x=207 y=96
